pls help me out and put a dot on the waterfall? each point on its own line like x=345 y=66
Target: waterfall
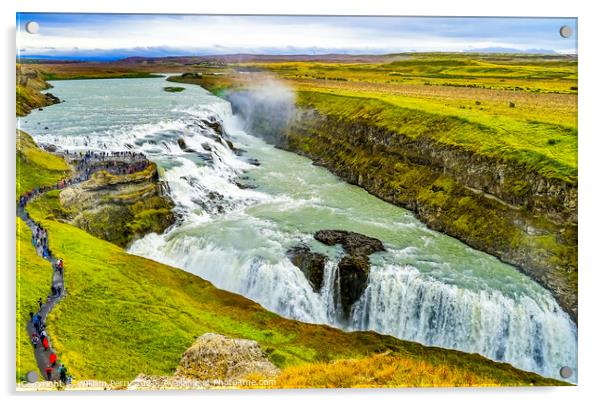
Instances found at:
x=531 y=335
x=237 y=237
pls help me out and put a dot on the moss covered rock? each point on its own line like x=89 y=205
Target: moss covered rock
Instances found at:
x=119 y=208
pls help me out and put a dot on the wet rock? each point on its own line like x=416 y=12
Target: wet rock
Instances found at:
x=353 y=243
x=206 y=146
x=215 y=125
x=254 y=162
x=352 y=279
x=51 y=148
x=354 y=268
x=242 y=185
x=216 y=357
x=310 y=263
x=184 y=146
x=206 y=157
x=51 y=99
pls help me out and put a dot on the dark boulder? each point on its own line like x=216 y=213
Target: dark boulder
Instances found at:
x=353 y=243
x=184 y=146
x=215 y=125
x=352 y=278
x=243 y=185
x=354 y=268
x=310 y=263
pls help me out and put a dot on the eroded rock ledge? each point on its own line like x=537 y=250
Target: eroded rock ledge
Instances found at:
x=353 y=269
x=119 y=207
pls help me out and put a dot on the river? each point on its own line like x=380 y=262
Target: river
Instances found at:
x=426 y=287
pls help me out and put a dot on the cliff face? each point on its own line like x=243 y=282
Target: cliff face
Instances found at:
x=30 y=85
x=119 y=208
x=494 y=205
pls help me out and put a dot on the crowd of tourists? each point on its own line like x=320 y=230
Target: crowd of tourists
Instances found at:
x=87 y=163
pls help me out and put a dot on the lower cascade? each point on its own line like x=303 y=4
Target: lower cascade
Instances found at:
x=243 y=205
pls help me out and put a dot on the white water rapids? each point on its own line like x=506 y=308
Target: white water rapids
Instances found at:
x=239 y=219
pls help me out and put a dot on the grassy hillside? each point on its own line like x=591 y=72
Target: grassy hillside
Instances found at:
x=549 y=149
x=386 y=369
x=33 y=282
x=504 y=106
x=124 y=315
x=35 y=167
x=30 y=85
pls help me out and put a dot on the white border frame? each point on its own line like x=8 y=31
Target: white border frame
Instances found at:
x=590 y=164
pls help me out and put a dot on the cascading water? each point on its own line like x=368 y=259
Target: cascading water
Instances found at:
x=239 y=220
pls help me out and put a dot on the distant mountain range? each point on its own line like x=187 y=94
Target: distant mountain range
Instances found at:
x=248 y=57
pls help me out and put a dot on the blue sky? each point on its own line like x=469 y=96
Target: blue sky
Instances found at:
x=112 y=36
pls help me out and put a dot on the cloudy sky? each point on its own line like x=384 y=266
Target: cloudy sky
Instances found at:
x=112 y=36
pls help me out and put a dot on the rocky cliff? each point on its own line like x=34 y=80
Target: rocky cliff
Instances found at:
x=495 y=205
x=30 y=85
x=119 y=208
x=353 y=269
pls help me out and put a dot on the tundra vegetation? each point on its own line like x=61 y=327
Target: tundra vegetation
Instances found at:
x=125 y=315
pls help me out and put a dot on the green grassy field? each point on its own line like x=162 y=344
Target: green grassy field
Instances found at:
x=124 y=315
x=522 y=108
x=33 y=282
x=36 y=167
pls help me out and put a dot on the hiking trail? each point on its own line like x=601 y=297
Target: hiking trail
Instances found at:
x=85 y=165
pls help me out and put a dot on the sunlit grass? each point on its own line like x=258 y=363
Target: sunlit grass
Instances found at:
x=33 y=282
x=124 y=315
x=36 y=167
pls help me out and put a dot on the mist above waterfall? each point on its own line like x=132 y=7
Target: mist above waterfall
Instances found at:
x=266 y=108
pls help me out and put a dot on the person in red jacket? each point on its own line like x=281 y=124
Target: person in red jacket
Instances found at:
x=45 y=343
x=52 y=359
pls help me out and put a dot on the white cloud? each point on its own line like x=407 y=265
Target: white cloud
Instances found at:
x=247 y=34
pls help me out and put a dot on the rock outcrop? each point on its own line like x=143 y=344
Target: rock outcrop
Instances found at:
x=30 y=84
x=217 y=126
x=353 y=243
x=354 y=268
x=119 y=208
x=310 y=263
x=229 y=360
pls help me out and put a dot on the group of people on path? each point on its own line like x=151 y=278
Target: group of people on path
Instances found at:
x=91 y=162
x=104 y=154
x=39 y=240
x=88 y=163
x=39 y=340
